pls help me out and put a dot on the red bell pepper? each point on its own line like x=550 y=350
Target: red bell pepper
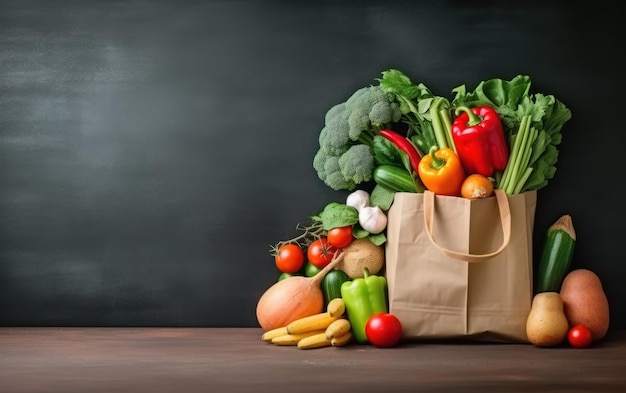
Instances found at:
x=404 y=145
x=479 y=140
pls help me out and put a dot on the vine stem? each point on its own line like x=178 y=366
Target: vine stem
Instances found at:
x=313 y=231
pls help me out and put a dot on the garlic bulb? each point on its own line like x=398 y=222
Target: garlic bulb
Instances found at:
x=373 y=219
x=358 y=199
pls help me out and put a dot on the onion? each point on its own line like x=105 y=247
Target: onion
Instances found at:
x=293 y=298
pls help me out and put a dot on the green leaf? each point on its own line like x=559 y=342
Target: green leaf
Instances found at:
x=381 y=197
x=460 y=93
x=394 y=81
x=495 y=92
x=405 y=105
x=519 y=87
x=337 y=215
x=538 y=107
x=423 y=106
x=358 y=232
x=378 y=239
x=385 y=152
x=544 y=169
x=559 y=114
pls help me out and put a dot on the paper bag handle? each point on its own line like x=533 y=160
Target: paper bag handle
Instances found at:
x=505 y=221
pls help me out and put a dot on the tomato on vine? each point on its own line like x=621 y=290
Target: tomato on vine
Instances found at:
x=290 y=258
x=321 y=252
x=340 y=237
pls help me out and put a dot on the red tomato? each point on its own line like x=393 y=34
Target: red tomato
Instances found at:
x=290 y=258
x=340 y=237
x=383 y=330
x=320 y=252
x=580 y=336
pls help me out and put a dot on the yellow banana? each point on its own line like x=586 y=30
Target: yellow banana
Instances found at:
x=337 y=328
x=342 y=340
x=293 y=339
x=270 y=334
x=318 y=340
x=336 y=307
x=313 y=322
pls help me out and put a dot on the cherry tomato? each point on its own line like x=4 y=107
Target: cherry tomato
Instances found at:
x=383 y=330
x=579 y=336
x=310 y=269
x=320 y=252
x=290 y=258
x=340 y=237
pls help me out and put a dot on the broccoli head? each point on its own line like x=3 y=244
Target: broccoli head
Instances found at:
x=345 y=158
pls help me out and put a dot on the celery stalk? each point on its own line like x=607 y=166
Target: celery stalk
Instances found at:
x=444 y=115
x=506 y=174
x=512 y=169
x=523 y=170
x=522 y=180
x=519 y=159
x=440 y=133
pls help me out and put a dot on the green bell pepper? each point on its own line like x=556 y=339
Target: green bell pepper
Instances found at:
x=363 y=298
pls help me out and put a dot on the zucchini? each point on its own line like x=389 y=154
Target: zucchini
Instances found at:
x=394 y=178
x=331 y=284
x=556 y=255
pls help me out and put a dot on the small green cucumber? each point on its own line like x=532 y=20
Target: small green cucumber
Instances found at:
x=394 y=178
x=331 y=284
x=556 y=255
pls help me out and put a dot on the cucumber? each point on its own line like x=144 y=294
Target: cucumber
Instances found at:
x=556 y=255
x=331 y=284
x=394 y=178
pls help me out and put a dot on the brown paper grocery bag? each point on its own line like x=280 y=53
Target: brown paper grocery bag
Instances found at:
x=460 y=268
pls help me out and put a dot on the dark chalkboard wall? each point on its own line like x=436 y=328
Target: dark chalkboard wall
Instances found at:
x=151 y=151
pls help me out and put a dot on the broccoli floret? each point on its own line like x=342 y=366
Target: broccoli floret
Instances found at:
x=370 y=110
x=337 y=182
x=345 y=171
x=384 y=113
x=357 y=164
x=336 y=111
x=358 y=121
x=329 y=172
x=334 y=138
x=319 y=162
x=345 y=157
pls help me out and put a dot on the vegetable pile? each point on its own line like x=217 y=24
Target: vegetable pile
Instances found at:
x=397 y=136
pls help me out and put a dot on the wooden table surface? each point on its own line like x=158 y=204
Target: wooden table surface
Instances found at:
x=219 y=360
